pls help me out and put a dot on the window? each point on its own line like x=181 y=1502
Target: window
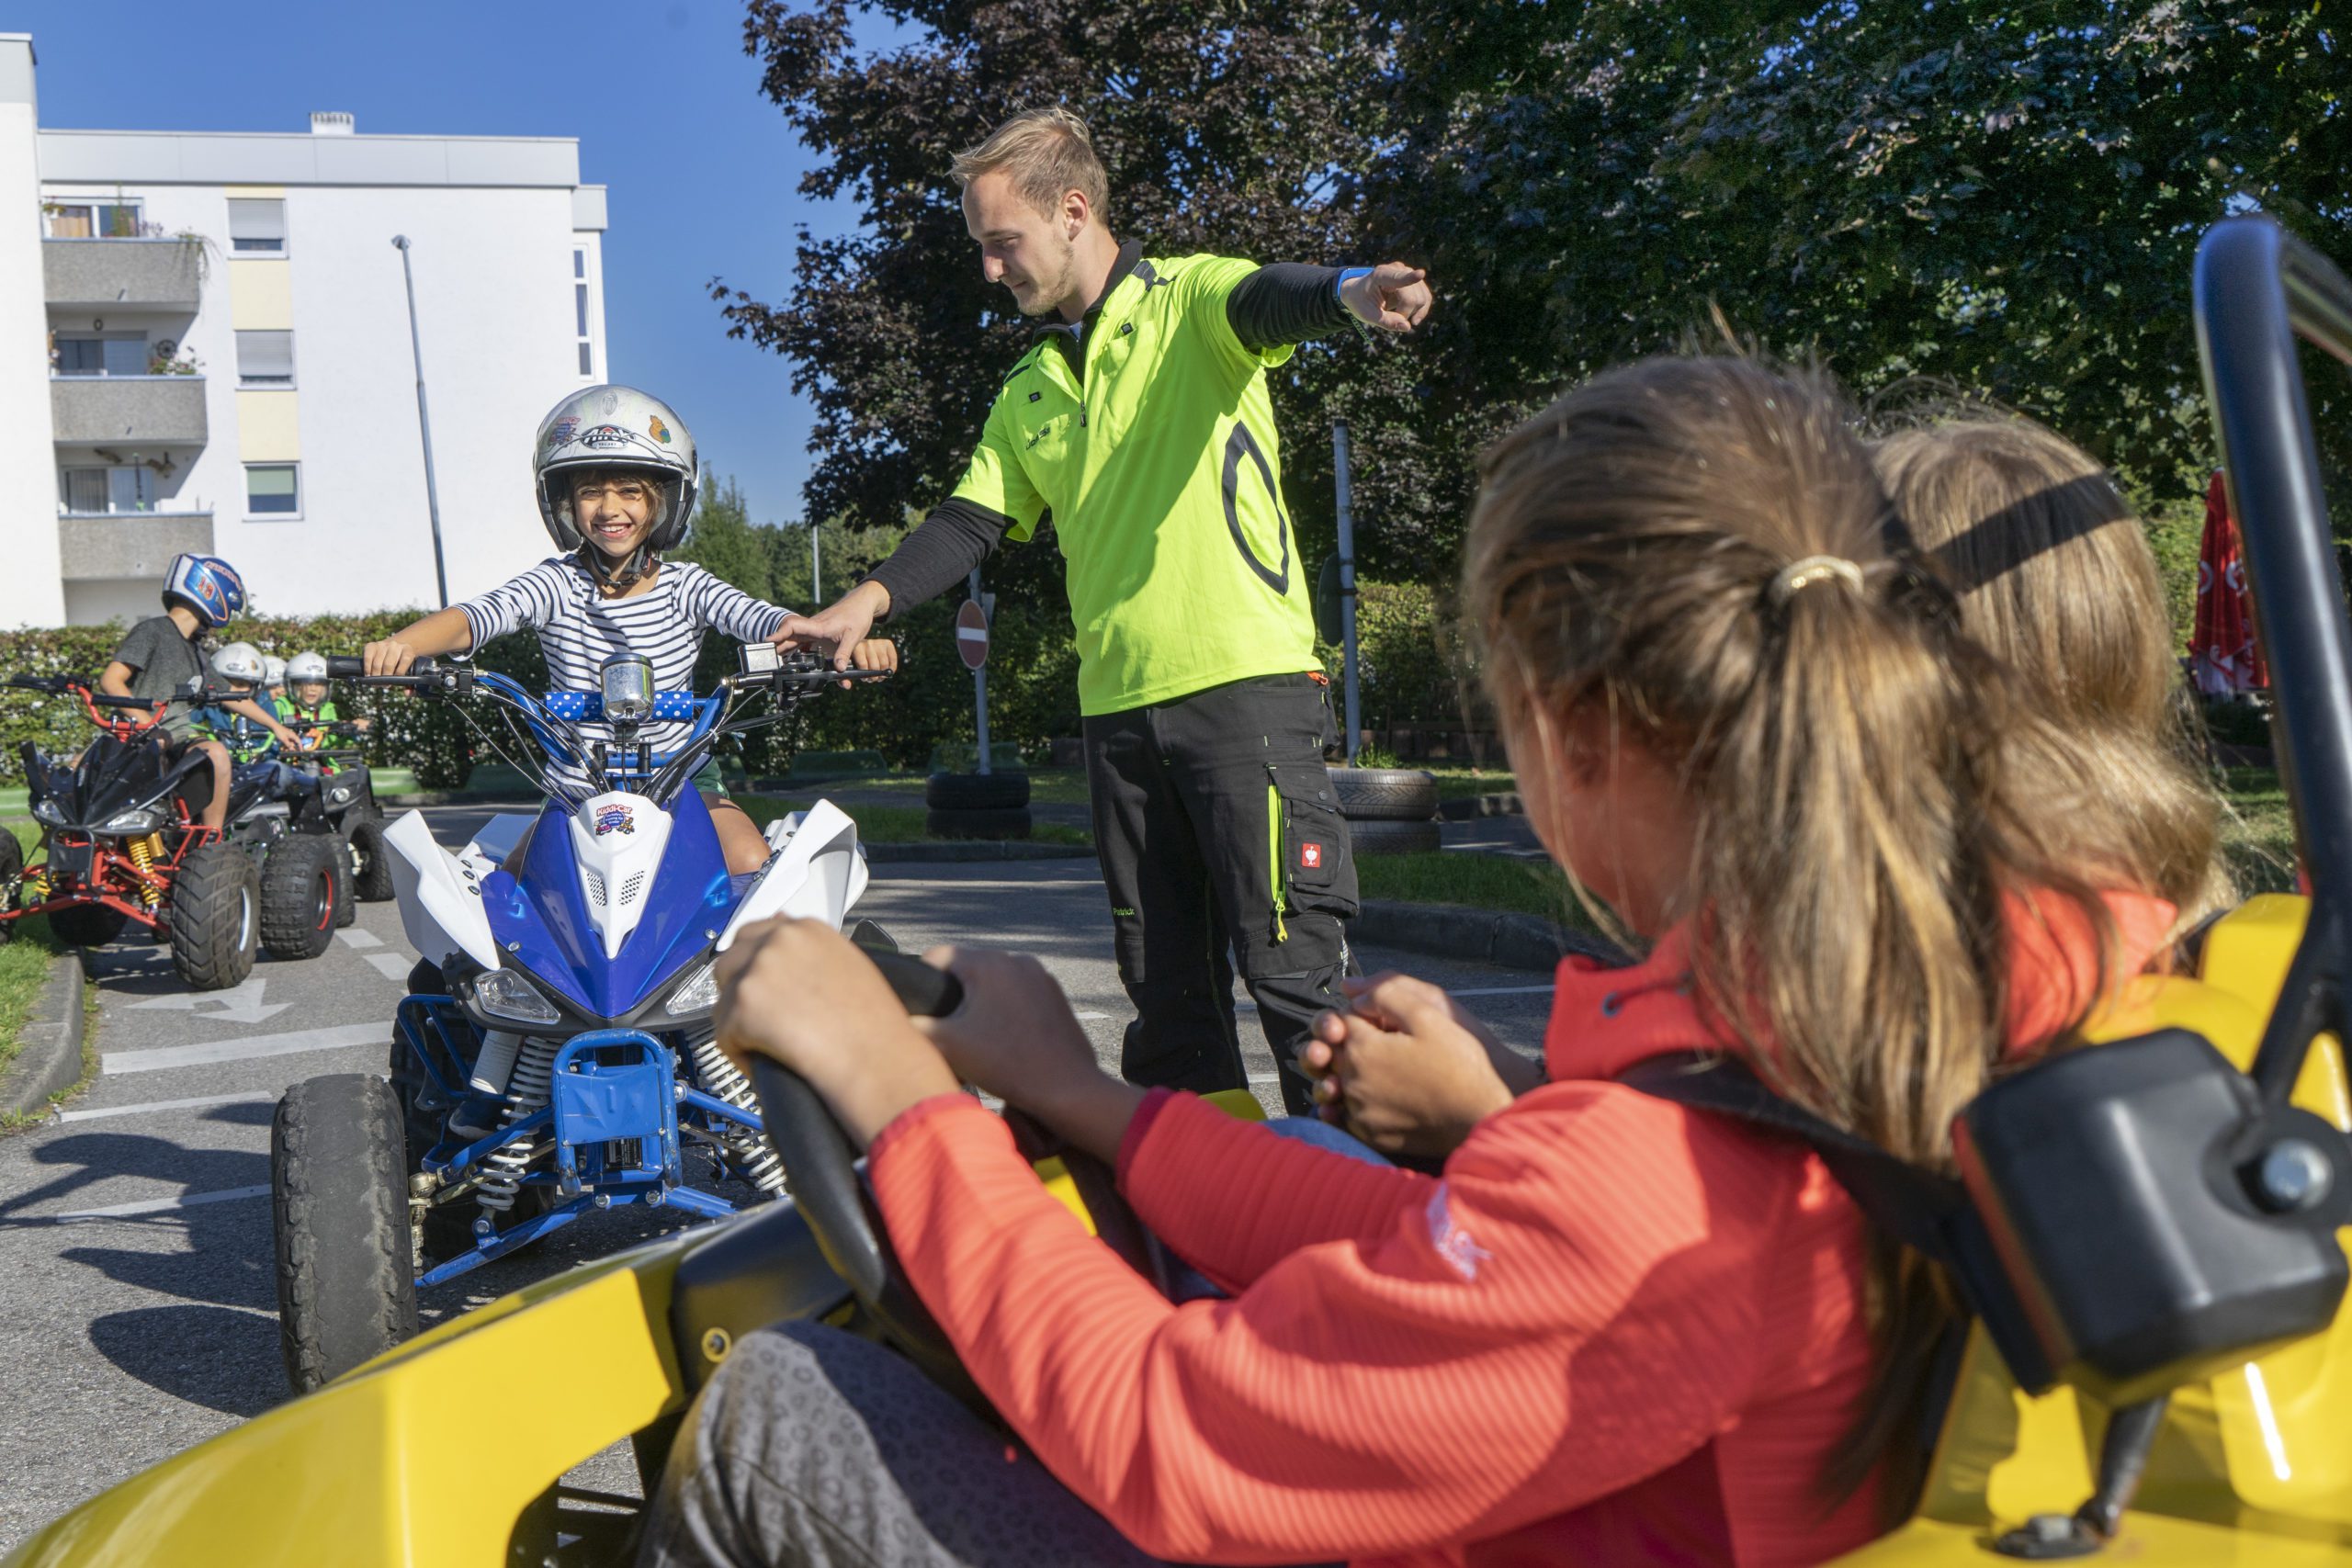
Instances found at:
x=258 y=227
x=88 y=353
x=96 y=221
x=273 y=490
x=580 y=311
x=124 y=488
x=266 y=359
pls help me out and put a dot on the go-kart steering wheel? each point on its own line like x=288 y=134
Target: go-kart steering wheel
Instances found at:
x=821 y=1171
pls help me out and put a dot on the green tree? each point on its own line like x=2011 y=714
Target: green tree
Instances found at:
x=724 y=543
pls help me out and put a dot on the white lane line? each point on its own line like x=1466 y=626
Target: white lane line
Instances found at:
x=198 y=1103
x=354 y=936
x=392 y=966
x=296 y=1041
x=1091 y=1015
x=160 y=1205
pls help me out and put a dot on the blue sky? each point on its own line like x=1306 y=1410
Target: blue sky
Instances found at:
x=665 y=103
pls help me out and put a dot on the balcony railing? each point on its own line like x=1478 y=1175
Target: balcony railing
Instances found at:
x=129 y=544
x=144 y=411
x=150 y=274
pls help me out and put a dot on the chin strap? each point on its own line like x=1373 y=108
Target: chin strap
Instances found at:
x=612 y=582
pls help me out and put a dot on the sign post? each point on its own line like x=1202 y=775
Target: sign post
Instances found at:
x=1350 y=705
x=972 y=648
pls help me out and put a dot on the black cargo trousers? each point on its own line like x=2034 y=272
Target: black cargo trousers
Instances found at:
x=1222 y=843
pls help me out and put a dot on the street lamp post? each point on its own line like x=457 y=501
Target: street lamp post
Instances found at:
x=423 y=425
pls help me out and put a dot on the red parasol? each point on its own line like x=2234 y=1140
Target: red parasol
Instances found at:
x=2223 y=657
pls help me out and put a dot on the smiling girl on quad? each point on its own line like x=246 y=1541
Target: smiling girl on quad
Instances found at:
x=616 y=475
x=1743 y=713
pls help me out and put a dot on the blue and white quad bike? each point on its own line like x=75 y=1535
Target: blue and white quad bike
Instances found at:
x=556 y=1054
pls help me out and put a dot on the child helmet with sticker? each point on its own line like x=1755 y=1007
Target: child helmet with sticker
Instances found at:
x=306 y=667
x=238 y=661
x=206 y=584
x=615 y=427
x=273 y=670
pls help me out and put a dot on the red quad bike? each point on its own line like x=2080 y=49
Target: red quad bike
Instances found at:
x=124 y=846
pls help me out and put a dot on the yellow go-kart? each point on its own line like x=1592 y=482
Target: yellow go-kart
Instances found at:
x=2148 y=1233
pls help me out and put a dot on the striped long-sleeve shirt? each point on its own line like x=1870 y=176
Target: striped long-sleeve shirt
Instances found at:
x=578 y=631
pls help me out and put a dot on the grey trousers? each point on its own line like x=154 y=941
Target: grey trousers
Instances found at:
x=812 y=1447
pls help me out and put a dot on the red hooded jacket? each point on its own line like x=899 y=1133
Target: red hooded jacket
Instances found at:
x=1614 y=1331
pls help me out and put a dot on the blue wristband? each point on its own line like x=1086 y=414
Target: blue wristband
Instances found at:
x=1346 y=274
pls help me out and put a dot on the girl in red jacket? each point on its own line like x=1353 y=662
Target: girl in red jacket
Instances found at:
x=1615 y=1330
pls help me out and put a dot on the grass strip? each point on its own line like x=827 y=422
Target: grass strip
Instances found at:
x=25 y=958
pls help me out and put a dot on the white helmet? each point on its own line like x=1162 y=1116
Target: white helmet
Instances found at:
x=615 y=427
x=273 y=670
x=238 y=661
x=305 y=667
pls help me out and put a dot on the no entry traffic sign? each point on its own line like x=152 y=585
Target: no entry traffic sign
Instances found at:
x=972 y=633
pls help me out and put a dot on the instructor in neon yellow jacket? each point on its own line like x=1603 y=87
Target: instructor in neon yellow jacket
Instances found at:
x=1140 y=420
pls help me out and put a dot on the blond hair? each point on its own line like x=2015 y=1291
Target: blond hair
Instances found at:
x=1700 y=549
x=2055 y=576
x=1048 y=152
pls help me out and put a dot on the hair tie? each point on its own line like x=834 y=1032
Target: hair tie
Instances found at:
x=1811 y=570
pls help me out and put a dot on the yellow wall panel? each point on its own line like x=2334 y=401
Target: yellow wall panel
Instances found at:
x=269 y=429
x=261 y=295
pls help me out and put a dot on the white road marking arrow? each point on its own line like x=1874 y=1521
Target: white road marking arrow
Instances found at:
x=241 y=1005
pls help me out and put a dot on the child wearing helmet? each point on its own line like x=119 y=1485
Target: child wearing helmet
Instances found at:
x=163 y=659
x=304 y=703
x=240 y=668
x=616 y=475
x=273 y=681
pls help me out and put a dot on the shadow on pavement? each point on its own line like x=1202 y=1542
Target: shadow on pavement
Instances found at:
x=223 y=1359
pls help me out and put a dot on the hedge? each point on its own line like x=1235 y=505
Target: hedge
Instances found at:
x=1410 y=675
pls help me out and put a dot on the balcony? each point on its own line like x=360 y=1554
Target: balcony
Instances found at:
x=129 y=544
x=145 y=411
x=124 y=273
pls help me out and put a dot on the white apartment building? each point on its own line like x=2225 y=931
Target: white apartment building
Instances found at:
x=205 y=345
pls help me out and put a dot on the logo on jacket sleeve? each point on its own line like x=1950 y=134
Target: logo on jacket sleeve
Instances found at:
x=1310 y=857
x=1451 y=1240
x=615 y=819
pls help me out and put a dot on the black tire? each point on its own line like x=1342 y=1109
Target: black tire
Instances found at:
x=346 y=901
x=449 y=1228
x=339 y=1207
x=1002 y=822
x=1384 y=794
x=87 y=925
x=372 y=878
x=216 y=916
x=1379 y=838
x=976 y=792
x=301 y=888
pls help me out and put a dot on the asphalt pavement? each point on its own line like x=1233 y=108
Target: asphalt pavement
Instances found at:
x=137 y=1310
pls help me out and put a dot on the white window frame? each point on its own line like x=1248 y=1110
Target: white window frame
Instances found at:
x=138 y=206
x=247 y=383
x=285 y=235
x=145 y=359
x=582 y=313
x=293 y=516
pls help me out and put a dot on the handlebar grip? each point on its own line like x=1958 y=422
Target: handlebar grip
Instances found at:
x=924 y=991
x=345 y=666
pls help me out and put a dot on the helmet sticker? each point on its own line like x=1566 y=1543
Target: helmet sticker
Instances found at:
x=660 y=431
x=563 y=430
x=599 y=437
x=608 y=401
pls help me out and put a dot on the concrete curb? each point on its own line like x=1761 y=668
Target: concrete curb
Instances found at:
x=1484 y=936
x=50 y=1057
x=973 y=850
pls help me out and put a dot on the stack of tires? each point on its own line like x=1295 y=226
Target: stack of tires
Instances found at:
x=976 y=805
x=1390 y=811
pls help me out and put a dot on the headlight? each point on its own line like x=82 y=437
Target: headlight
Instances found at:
x=503 y=995
x=143 y=820
x=696 y=994
x=49 y=812
x=338 y=794
x=627 y=688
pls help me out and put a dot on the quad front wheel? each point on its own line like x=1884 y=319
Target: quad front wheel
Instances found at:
x=86 y=925
x=301 y=893
x=338 y=1192
x=12 y=873
x=371 y=862
x=216 y=900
